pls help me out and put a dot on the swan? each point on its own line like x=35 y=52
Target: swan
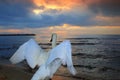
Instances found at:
x=61 y=54
x=32 y=53
x=48 y=62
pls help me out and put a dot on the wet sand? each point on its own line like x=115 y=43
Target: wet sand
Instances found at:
x=9 y=71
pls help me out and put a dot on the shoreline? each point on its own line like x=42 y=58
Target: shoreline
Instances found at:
x=17 y=34
x=21 y=71
x=8 y=72
x=12 y=72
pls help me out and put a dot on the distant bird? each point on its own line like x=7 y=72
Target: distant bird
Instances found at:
x=49 y=61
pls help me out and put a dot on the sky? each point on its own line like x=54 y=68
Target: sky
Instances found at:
x=64 y=17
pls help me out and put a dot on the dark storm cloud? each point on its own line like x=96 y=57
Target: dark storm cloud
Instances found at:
x=17 y=14
x=106 y=7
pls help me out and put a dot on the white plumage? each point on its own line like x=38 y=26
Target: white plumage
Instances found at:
x=31 y=52
x=49 y=62
x=61 y=54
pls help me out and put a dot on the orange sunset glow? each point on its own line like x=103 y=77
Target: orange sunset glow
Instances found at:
x=56 y=4
x=66 y=30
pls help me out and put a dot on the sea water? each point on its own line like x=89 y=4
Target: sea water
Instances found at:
x=9 y=44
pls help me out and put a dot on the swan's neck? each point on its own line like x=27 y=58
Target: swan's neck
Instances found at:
x=54 y=40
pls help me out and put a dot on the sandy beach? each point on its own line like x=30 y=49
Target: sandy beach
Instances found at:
x=9 y=71
x=13 y=73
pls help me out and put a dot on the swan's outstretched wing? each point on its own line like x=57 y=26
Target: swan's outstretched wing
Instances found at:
x=46 y=72
x=29 y=51
x=18 y=56
x=63 y=52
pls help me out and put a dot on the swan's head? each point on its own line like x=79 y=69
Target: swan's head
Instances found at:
x=53 y=39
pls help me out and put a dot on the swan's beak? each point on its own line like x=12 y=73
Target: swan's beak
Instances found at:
x=51 y=38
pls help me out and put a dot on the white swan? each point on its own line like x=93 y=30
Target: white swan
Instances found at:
x=61 y=54
x=32 y=53
x=49 y=62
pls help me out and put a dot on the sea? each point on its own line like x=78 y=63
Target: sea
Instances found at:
x=94 y=56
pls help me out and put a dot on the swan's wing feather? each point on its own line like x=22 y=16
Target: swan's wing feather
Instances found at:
x=33 y=51
x=47 y=71
x=42 y=73
x=30 y=51
x=58 y=52
x=54 y=66
x=18 y=56
x=69 y=59
x=63 y=52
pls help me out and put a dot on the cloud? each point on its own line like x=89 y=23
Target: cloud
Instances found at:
x=45 y=13
x=65 y=31
x=19 y=14
x=105 y=7
x=57 y=4
x=13 y=13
